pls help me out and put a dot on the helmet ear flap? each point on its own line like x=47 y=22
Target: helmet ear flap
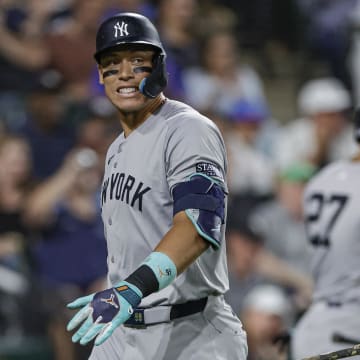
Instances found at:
x=155 y=83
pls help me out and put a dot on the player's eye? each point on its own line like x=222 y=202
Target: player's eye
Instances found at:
x=110 y=61
x=137 y=61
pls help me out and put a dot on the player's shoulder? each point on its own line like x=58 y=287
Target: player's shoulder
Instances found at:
x=179 y=115
x=328 y=174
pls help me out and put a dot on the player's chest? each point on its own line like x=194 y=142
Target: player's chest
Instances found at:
x=134 y=176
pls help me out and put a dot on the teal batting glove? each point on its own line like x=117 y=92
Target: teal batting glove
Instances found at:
x=101 y=313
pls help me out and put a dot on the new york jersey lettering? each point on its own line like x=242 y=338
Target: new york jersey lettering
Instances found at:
x=125 y=188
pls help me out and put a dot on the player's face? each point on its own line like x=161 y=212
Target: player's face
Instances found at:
x=121 y=72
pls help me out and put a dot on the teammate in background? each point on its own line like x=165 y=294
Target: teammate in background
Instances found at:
x=323 y=104
x=331 y=205
x=163 y=207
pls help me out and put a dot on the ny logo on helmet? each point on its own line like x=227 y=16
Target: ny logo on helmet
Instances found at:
x=120 y=30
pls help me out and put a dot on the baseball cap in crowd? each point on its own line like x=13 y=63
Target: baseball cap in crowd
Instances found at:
x=323 y=95
x=248 y=111
x=270 y=299
x=298 y=172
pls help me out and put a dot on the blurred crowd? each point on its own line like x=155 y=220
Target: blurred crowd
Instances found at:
x=56 y=125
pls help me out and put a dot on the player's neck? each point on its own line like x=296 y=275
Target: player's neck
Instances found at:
x=130 y=121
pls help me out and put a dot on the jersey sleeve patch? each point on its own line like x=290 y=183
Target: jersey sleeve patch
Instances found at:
x=208 y=169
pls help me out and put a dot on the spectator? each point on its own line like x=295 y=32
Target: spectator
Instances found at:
x=49 y=135
x=221 y=80
x=15 y=182
x=324 y=133
x=327 y=35
x=247 y=141
x=21 y=53
x=75 y=35
x=21 y=42
x=255 y=25
x=65 y=209
x=243 y=248
x=285 y=258
x=176 y=23
x=97 y=132
x=215 y=15
x=143 y=7
x=15 y=172
x=267 y=313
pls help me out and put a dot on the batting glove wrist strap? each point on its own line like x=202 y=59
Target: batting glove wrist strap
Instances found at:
x=130 y=293
x=154 y=274
x=163 y=267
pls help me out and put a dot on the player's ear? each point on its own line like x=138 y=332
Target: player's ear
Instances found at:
x=101 y=78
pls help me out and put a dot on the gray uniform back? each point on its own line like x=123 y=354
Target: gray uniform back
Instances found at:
x=331 y=204
x=137 y=205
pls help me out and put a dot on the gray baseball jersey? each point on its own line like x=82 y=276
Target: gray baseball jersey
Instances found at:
x=137 y=210
x=137 y=205
x=331 y=206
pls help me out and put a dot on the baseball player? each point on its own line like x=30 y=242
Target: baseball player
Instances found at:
x=163 y=208
x=331 y=205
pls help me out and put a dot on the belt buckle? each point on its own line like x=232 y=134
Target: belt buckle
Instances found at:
x=136 y=320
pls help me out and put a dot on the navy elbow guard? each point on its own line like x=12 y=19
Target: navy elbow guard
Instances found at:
x=203 y=200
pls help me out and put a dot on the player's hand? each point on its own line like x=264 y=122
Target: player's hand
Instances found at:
x=101 y=313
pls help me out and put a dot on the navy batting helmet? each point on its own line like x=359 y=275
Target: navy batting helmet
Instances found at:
x=131 y=28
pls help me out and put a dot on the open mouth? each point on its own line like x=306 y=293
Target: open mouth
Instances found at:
x=126 y=90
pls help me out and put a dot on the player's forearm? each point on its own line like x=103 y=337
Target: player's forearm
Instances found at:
x=182 y=243
x=28 y=54
x=42 y=201
x=278 y=270
x=175 y=252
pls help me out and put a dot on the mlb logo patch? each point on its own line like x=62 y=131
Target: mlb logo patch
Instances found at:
x=208 y=169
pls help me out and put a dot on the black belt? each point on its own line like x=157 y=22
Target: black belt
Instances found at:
x=143 y=317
